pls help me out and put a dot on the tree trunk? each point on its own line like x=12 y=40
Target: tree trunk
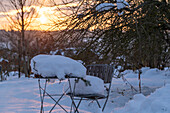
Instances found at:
x=19 y=58
x=23 y=42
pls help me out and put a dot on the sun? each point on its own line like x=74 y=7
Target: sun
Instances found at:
x=43 y=19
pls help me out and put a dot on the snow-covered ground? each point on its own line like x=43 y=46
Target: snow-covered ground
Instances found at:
x=22 y=95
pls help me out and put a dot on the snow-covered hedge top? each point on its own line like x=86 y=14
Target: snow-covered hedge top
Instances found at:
x=56 y=65
x=96 y=86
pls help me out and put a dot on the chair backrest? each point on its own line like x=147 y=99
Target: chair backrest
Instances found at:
x=103 y=71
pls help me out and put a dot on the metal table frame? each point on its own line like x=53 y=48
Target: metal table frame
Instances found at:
x=43 y=93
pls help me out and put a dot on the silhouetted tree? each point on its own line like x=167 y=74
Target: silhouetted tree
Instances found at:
x=135 y=35
x=20 y=21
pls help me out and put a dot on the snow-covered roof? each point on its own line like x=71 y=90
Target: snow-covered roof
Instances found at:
x=56 y=66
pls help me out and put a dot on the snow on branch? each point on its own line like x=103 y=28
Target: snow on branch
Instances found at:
x=121 y=4
x=107 y=6
x=104 y=7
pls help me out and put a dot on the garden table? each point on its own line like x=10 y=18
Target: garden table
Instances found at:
x=55 y=67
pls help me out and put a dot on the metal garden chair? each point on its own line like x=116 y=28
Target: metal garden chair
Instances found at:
x=103 y=71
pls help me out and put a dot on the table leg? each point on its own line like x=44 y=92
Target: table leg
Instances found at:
x=42 y=95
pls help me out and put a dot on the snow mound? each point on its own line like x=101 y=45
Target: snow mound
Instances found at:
x=56 y=65
x=153 y=72
x=157 y=102
x=96 y=86
x=104 y=7
x=144 y=69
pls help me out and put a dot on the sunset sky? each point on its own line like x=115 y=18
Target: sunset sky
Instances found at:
x=43 y=21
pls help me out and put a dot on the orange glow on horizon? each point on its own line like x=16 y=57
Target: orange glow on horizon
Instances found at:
x=43 y=21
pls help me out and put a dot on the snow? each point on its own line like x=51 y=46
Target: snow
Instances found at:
x=120 y=13
x=157 y=102
x=56 y=65
x=96 y=86
x=2 y=59
x=121 y=4
x=104 y=7
x=149 y=77
x=107 y=6
x=3 y=45
x=22 y=95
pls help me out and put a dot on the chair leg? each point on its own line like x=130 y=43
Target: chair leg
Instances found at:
x=105 y=103
x=98 y=103
x=108 y=94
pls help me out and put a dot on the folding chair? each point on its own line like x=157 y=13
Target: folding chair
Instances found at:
x=103 y=71
x=43 y=93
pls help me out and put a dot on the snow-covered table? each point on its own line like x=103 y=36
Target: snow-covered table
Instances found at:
x=55 y=67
